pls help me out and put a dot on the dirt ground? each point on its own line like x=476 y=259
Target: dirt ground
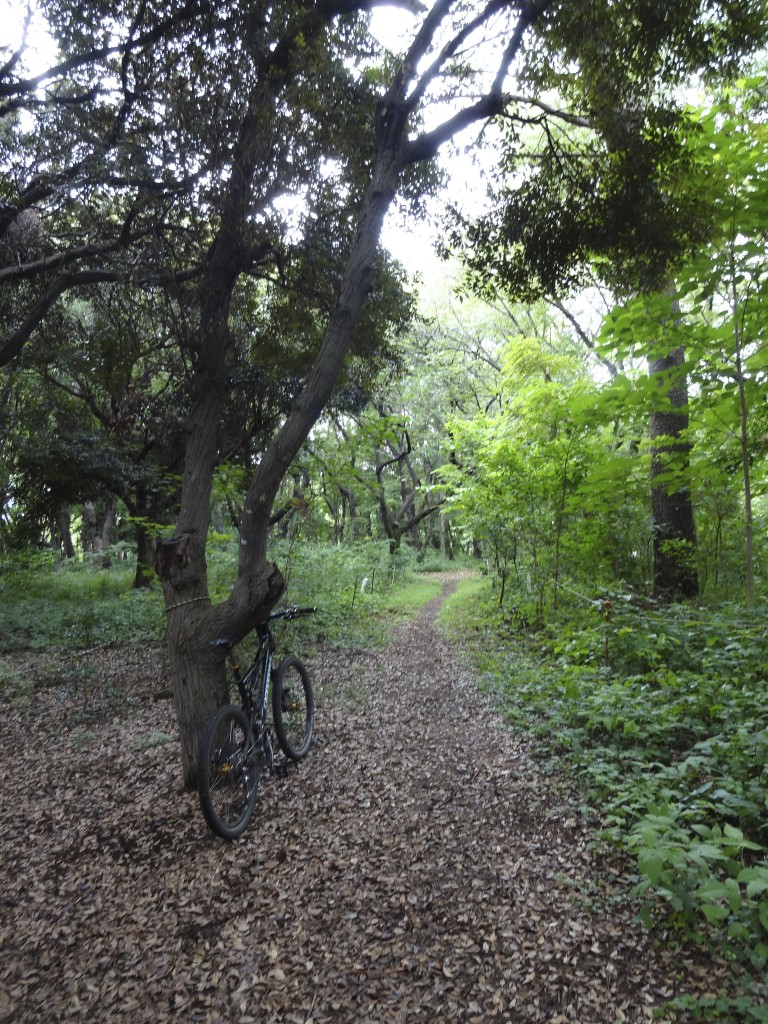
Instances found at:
x=419 y=865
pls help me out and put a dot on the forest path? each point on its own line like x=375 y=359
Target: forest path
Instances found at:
x=419 y=866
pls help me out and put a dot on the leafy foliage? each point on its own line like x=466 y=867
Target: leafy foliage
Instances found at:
x=597 y=181
x=663 y=715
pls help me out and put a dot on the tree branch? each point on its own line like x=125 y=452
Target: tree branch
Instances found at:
x=28 y=86
x=425 y=146
x=550 y=111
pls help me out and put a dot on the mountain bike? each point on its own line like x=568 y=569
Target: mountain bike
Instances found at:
x=236 y=744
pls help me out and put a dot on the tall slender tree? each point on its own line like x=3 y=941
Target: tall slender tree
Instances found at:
x=602 y=185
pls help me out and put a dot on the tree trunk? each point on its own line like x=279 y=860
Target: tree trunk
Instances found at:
x=65 y=532
x=90 y=531
x=197 y=671
x=108 y=526
x=145 y=554
x=674 y=534
x=749 y=563
x=349 y=502
x=446 y=543
x=196 y=664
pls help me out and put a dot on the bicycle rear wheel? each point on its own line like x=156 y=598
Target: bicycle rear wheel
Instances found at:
x=228 y=772
x=293 y=708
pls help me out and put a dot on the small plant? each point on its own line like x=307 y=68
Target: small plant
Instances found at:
x=14 y=685
x=154 y=739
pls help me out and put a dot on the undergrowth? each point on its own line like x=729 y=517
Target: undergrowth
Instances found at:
x=74 y=605
x=360 y=591
x=663 y=714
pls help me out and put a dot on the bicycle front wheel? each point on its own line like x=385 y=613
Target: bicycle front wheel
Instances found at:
x=228 y=772
x=293 y=708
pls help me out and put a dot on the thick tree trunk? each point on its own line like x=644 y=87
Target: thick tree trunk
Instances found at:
x=196 y=664
x=674 y=534
x=197 y=671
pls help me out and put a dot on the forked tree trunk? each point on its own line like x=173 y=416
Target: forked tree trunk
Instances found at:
x=196 y=673
x=195 y=667
x=196 y=663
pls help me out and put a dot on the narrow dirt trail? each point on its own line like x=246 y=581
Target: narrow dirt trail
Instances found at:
x=418 y=866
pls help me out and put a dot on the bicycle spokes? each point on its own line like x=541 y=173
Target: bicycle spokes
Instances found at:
x=229 y=772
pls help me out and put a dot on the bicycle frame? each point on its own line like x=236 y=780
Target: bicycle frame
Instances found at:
x=253 y=686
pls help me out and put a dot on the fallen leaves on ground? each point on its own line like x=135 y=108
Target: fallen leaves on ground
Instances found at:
x=419 y=865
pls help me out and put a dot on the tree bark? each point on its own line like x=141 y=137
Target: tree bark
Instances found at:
x=65 y=532
x=107 y=527
x=145 y=553
x=749 y=561
x=446 y=541
x=90 y=530
x=674 y=533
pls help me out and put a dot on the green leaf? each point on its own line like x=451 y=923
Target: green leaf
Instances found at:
x=651 y=864
x=714 y=912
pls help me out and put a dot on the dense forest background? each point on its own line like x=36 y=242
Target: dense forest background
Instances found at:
x=209 y=368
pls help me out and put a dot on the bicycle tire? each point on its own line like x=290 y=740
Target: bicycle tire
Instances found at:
x=228 y=778
x=293 y=708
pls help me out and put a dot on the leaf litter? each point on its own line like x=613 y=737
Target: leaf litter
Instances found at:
x=420 y=865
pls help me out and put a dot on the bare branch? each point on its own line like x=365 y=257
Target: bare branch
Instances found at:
x=492 y=103
x=584 y=337
x=550 y=111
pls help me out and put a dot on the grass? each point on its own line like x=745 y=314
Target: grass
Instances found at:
x=456 y=609
x=74 y=605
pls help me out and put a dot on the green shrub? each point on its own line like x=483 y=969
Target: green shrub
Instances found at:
x=77 y=605
x=664 y=716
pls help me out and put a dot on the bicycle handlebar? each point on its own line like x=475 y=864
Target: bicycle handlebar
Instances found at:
x=291 y=613
x=285 y=613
